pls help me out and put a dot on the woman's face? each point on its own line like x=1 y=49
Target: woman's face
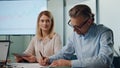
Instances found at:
x=45 y=23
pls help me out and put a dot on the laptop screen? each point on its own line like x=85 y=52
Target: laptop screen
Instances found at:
x=4 y=51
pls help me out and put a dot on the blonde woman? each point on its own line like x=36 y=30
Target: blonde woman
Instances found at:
x=45 y=41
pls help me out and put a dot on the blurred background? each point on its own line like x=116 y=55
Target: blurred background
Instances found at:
x=18 y=19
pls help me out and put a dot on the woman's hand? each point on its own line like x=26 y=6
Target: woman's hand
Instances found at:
x=44 y=61
x=30 y=58
x=18 y=59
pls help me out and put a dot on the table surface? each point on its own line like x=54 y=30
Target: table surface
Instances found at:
x=29 y=65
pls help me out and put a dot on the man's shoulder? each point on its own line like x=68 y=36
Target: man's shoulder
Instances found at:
x=102 y=28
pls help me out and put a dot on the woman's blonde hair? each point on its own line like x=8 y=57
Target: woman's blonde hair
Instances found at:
x=39 y=31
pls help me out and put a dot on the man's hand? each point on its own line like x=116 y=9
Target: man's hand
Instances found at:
x=61 y=62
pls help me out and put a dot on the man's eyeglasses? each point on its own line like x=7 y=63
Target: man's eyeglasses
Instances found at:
x=75 y=26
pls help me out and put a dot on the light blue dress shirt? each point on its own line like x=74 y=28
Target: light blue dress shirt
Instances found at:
x=93 y=50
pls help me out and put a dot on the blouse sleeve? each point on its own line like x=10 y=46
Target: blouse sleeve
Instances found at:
x=31 y=49
x=57 y=44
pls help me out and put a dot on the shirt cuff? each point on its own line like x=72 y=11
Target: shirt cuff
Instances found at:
x=76 y=63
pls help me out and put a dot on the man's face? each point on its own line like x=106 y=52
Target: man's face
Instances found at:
x=80 y=24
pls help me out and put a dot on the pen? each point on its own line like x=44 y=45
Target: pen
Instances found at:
x=41 y=55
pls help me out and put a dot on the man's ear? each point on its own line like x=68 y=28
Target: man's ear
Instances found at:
x=89 y=21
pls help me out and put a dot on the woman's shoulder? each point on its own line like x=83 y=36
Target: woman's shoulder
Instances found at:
x=35 y=38
x=56 y=35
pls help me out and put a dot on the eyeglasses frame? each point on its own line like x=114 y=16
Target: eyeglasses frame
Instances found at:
x=77 y=27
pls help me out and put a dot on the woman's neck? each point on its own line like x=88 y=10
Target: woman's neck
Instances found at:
x=45 y=34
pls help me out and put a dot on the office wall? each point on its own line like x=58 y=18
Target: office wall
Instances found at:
x=109 y=16
x=56 y=7
x=2 y=37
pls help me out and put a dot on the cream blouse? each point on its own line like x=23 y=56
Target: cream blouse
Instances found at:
x=48 y=47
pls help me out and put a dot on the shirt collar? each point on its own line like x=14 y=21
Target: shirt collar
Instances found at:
x=90 y=31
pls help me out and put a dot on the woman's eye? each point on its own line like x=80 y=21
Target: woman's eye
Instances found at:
x=47 y=20
x=42 y=20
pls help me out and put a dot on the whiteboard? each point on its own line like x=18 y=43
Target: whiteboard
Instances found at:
x=20 y=16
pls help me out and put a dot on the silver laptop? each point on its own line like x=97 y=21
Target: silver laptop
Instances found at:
x=4 y=51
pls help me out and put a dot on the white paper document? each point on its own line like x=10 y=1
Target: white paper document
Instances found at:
x=26 y=65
